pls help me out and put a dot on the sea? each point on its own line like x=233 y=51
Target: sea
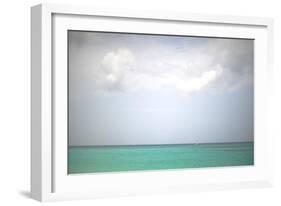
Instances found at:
x=98 y=159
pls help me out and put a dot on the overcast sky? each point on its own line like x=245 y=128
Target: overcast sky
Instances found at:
x=154 y=89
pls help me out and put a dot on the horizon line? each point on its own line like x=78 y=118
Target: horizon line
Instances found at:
x=120 y=145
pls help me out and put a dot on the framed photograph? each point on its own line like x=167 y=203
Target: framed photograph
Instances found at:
x=137 y=102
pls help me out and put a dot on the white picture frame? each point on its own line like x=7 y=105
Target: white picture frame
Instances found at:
x=49 y=178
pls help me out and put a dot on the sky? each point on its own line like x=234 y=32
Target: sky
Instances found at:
x=129 y=89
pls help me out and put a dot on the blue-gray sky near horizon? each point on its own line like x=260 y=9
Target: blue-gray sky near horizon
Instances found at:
x=129 y=89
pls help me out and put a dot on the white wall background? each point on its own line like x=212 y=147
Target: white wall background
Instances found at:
x=15 y=104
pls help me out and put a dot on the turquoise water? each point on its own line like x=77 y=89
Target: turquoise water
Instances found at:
x=90 y=159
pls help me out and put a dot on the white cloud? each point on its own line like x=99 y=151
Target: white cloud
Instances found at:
x=218 y=64
x=121 y=71
x=197 y=83
x=114 y=67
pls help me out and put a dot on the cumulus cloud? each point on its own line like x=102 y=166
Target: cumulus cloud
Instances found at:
x=114 y=67
x=165 y=63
